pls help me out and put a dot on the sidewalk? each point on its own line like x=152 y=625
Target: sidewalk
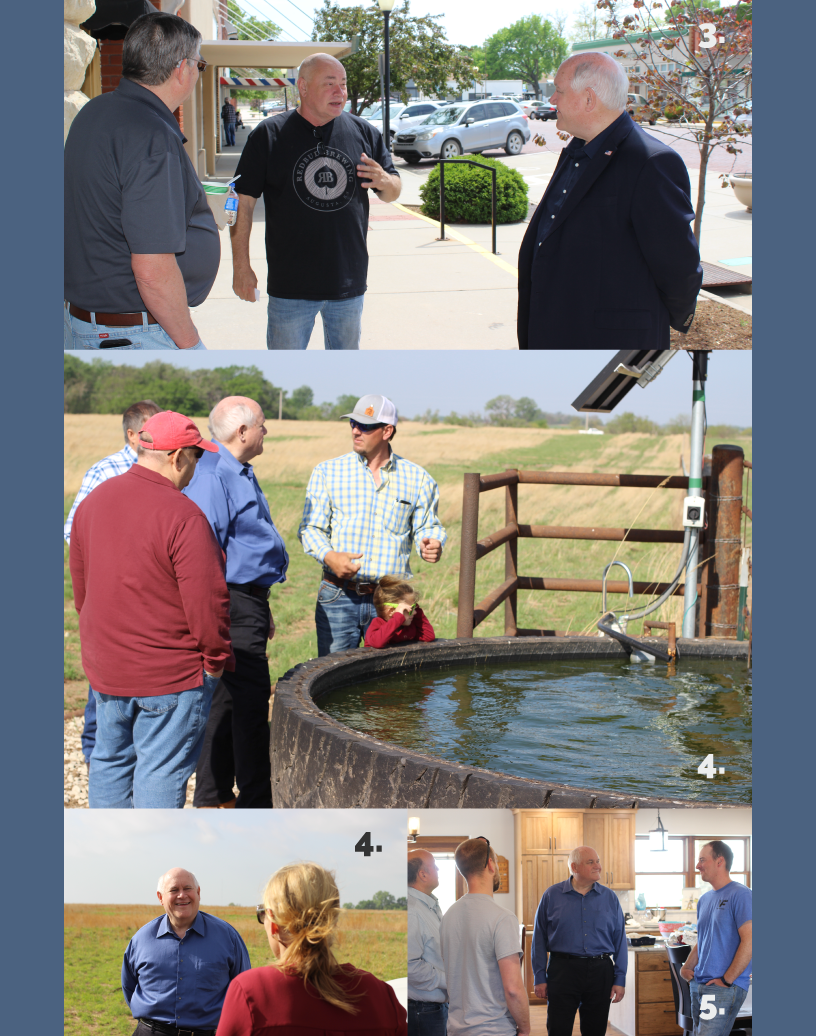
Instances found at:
x=424 y=293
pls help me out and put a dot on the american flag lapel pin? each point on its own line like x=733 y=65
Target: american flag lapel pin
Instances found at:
x=607 y=152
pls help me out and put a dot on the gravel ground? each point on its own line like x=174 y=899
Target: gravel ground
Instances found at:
x=715 y=327
x=76 y=773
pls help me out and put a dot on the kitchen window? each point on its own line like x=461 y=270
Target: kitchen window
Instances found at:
x=662 y=876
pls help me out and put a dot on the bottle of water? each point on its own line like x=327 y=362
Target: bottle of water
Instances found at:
x=231 y=204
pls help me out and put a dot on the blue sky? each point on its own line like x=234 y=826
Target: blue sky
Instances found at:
x=464 y=381
x=116 y=856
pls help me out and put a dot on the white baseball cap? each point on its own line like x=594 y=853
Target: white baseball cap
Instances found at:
x=374 y=410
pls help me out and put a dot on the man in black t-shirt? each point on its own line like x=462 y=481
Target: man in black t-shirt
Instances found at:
x=314 y=166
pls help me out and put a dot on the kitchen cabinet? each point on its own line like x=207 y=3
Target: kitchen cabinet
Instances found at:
x=612 y=833
x=648 y=1007
x=551 y=830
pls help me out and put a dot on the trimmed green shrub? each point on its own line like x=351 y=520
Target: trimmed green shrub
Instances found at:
x=468 y=193
x=672 y=112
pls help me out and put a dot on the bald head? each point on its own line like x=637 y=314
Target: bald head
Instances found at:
x=179 y=895
x=590 y=93
x=585 y=865
x=322 y=88
x=423 y=873
x=227 y=416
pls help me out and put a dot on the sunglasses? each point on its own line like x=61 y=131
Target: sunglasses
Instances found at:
x=321 y=147
x=366 y=429
x=487 y=848
x=260 y=913
x=202 y=64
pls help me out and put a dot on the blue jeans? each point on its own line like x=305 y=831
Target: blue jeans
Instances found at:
x=229 y=133
x=342 y=617
x=89 y=728
x=291 y=322
x=729 y=1001
x=80 y=334
x=147 y=748
x=427 y=1019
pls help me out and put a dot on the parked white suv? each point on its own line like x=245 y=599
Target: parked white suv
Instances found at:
x=471 y=127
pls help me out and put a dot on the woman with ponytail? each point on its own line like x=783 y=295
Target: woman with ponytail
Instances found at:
x=306 y=992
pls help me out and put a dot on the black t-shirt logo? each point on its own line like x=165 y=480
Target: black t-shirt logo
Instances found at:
x=324 y=182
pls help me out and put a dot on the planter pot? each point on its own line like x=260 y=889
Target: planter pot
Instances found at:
x=742 y=189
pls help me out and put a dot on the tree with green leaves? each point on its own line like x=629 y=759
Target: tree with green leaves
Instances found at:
x=529 y=50
x=589 y=24
x=709 y=53
x=418 y=48
x=251 y=28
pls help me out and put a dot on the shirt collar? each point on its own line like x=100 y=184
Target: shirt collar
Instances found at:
x=567 y=887
x=425 y=897
x=152 y=476
x=389 y=464
x=137 y=92
x=594 y=146
x=230 y=461
x=129 y=452
x=197 y=926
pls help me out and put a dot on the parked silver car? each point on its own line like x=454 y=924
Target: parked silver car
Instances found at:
x=467 y=128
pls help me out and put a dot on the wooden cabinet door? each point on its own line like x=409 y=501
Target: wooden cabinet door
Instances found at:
x=595 y=832
x=536 y=832
x=620 y=850
x=560 y=868
x=536 y=877
x=567 y=830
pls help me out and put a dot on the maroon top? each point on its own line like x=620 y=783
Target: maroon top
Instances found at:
x=149 y=586
x=267 y=1001
x=385 y=632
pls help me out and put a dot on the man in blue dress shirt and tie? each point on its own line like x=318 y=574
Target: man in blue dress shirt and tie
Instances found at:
x=236 y=744
x=177 y=968
x=580 y=924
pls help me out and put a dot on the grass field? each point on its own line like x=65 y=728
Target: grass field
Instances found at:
x=96 y=937
x=293 y=448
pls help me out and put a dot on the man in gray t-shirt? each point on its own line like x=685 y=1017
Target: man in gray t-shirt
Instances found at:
x=482 y=953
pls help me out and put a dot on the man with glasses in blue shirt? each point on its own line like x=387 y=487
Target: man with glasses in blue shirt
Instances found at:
x=579 y=924
x=177 y=968
x=236 y=744
x=141 y=244
x=363 y=513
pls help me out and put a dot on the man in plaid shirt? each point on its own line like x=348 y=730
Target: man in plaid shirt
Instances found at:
x=229 y=115
x=363 y=513
x=133 y=421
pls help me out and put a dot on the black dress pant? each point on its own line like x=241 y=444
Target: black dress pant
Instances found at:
x=236 y=742
x=578 y=985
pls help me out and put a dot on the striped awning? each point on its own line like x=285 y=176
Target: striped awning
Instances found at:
x=256 y=83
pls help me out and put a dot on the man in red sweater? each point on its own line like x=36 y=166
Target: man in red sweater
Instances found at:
x=153 y=604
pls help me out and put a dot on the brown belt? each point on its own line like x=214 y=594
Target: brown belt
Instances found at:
x=349 y=584
x=111 y=319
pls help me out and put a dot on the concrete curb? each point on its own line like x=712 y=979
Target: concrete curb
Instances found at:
x=318 y=762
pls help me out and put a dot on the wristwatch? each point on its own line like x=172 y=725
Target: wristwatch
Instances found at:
x=722 y=979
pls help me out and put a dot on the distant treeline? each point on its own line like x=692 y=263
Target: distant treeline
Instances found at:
x=380 y=900
x=101 y=387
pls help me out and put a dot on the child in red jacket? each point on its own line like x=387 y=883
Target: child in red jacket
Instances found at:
x=399 y=617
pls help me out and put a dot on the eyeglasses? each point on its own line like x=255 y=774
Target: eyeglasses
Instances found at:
x=487 y=853
x=202 y=64
x=260 y=913
x=366 y=429
x=321 y=147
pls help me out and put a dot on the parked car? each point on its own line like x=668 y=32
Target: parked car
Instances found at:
x=541 y=110
x=746 y=119
x=377 y=115
x=414 y=114
x=635 y=102
x=467 y=128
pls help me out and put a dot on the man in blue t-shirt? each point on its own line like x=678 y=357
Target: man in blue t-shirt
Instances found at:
x=718 y=968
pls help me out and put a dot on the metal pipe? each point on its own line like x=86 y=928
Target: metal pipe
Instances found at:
x=695 y=486
x=577 y=532
x=495 y=539
x=441 y=200
x=493 y=600
x=630 y=642
x=493 y=210
x=510 y=549
x=594 y=586
x=467 y=556
x=745 y=562
x=588 y=478
x=671 y=588
x=387 y=108
x=603 y=581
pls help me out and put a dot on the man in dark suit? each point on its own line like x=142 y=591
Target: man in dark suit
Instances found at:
x=609 y=260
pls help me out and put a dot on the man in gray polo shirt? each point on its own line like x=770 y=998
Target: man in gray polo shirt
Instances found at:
x=482 y=953
x=141 y=244
x=427 y=995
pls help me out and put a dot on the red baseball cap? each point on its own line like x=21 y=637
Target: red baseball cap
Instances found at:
x=172 y=431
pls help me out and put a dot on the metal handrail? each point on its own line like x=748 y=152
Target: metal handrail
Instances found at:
x=479 y=165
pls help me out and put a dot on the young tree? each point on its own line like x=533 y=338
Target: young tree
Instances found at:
x=251 y=28
x=529 y=50
x=418 y=49
x=712 y=47
x=589 y=24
